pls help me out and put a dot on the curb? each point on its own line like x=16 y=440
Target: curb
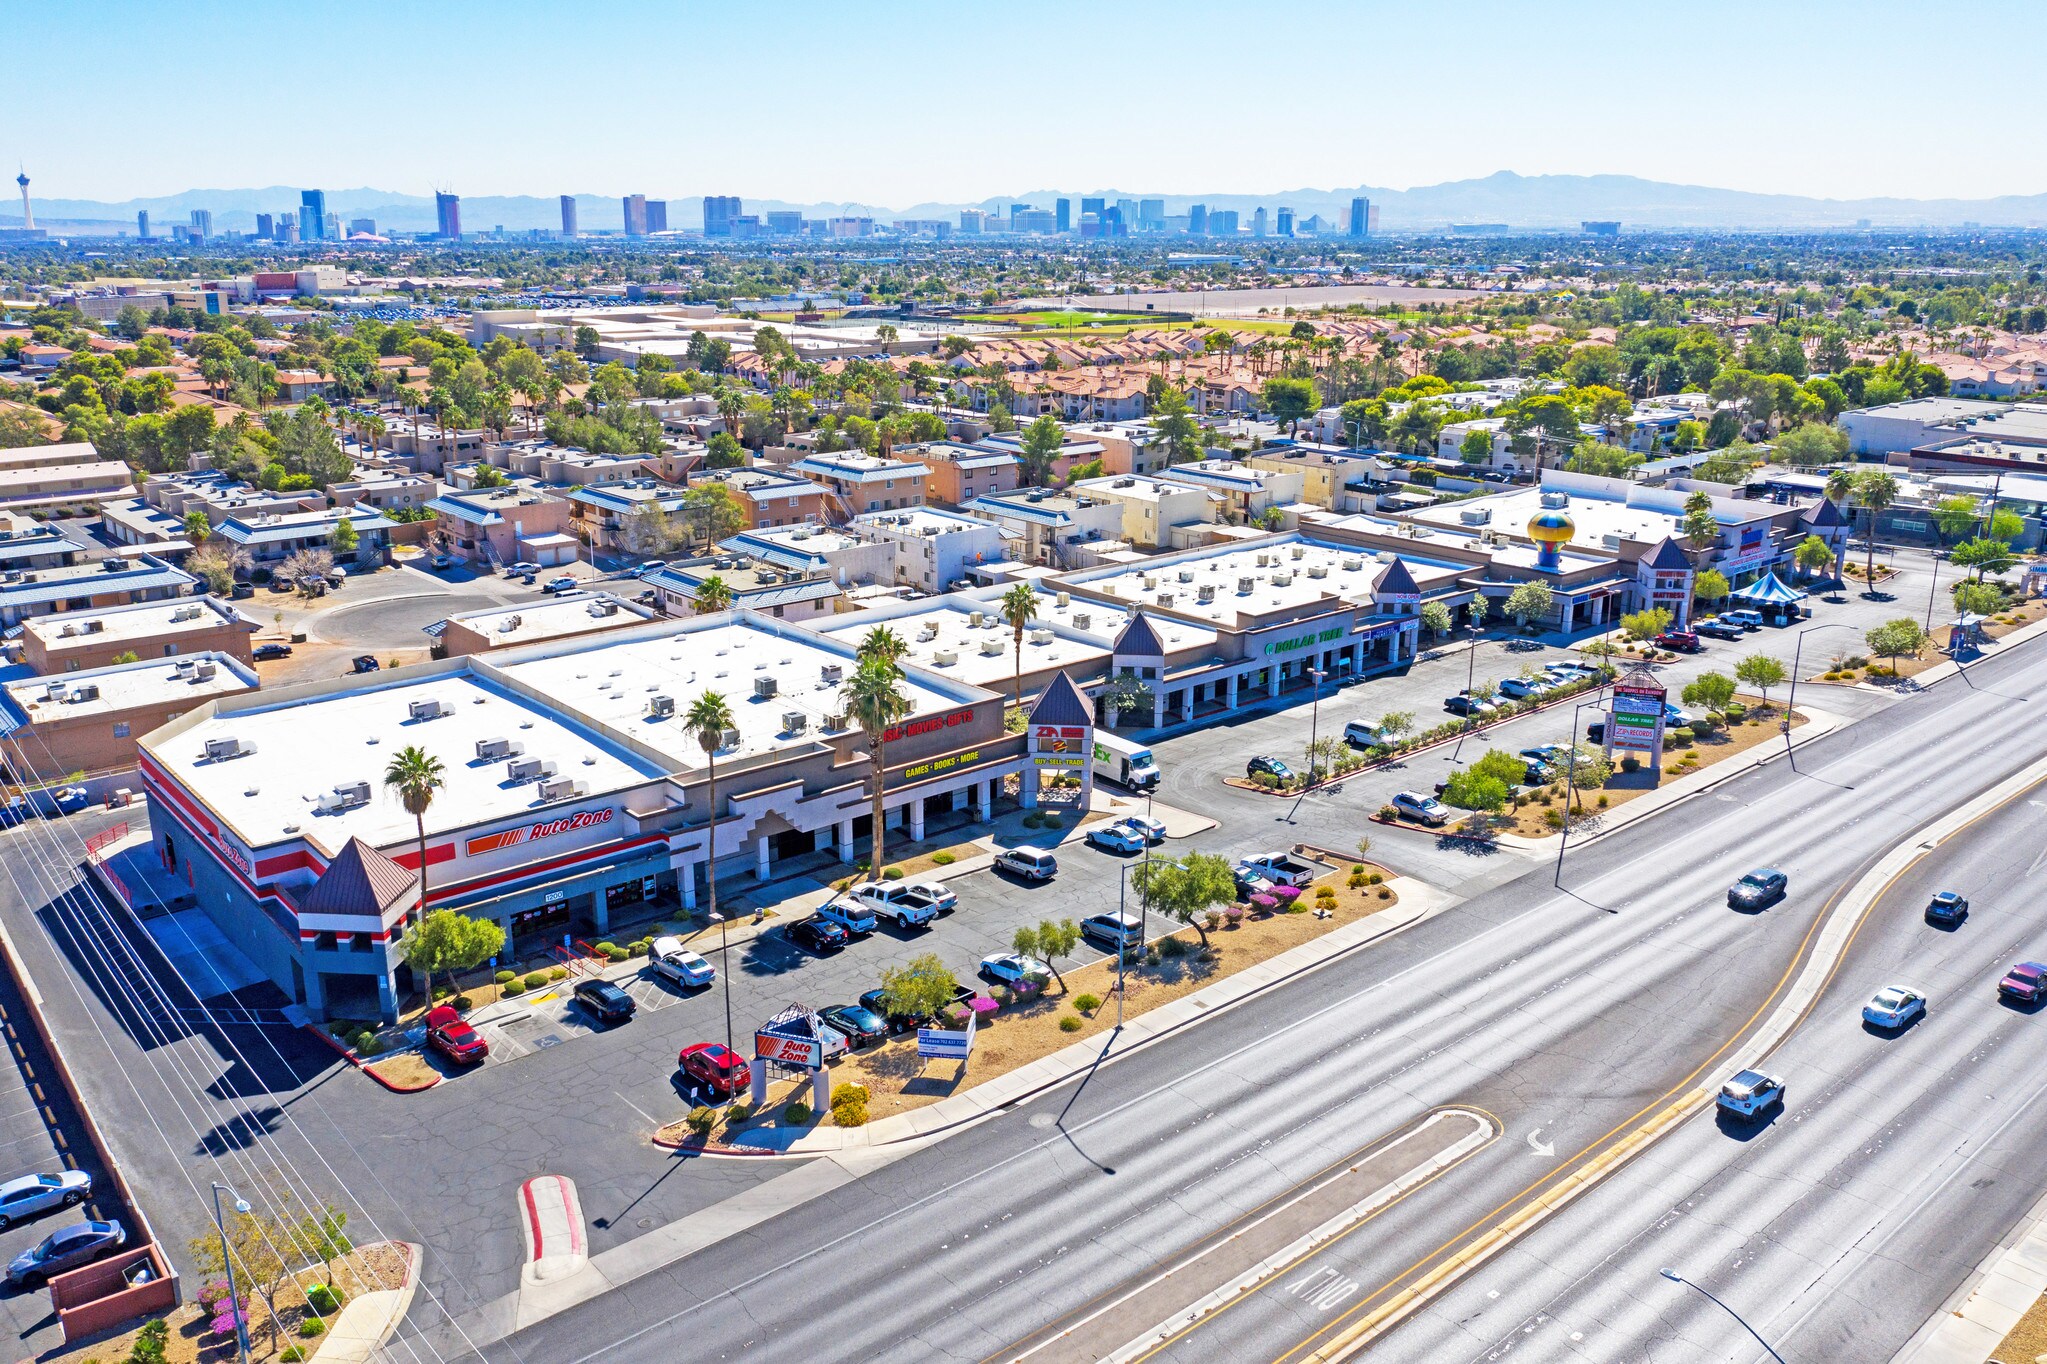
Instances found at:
x=349 y=1055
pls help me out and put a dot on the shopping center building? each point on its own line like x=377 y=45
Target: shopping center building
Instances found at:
x=571 y=788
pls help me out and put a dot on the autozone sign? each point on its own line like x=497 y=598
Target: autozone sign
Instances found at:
x=547 y=828
x=789 y=1051
x=930 y=726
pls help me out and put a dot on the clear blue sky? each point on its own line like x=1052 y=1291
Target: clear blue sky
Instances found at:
x=892 y=103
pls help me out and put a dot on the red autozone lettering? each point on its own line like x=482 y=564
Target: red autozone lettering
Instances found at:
x=930 y=726
x=508 y=838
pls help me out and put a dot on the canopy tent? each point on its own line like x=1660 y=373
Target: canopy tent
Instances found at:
x=1769 y=590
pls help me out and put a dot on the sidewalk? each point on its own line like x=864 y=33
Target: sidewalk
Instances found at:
x=1417 y=902
x=368 y=1320
x=2000 y=1292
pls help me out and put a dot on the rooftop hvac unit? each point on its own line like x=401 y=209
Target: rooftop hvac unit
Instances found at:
x=1244 y=585
x=833 y=673
x=1552 y=501
x=1041 y=636
x=1282 y=579
x=976 y=618
x=204 y=670
x=1064 y=599
x=528 y=769
x=728 y=739
x=429 y=709
x=1264 y=560
x=928 y=632
x=794 y=722
x=562 y=788
x=1124 y=483
x=218 y=750
x=346 y=796
x=1318 y=570
x=1385 y=556
x=1300 y=551
x=187 y=613
x=1186 y=575
x=991 y=648
x=604 y=606
x=1151 y=581
x=510 y=623
x=91 y=627
x=1476 y=516
x=184 y=666
x=490 y=750
x=661 y=707
x=88 y=691
x=764 y=687
x=68 y=630
x=835 y=720
x=1165 y=599
x=1352 y=564
x=1205 y=593
x=945 y=658
x=1083 y=619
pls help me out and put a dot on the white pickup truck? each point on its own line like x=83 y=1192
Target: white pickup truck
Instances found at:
x=901 y=902
x=1279 y=868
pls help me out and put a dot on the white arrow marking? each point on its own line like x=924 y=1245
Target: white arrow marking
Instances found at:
x=1541 y=1148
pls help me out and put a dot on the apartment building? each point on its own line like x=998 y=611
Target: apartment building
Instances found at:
x=76 y=642
x=91 y=721
x=864 y=483
x=933 y=549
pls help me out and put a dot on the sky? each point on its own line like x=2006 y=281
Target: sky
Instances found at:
x=893 y=102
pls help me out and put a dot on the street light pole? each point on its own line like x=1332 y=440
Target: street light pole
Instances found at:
x=1315 y=676
x=1571 y=779
x=1791 y=701
x=724 y=970
x=1676 y=1277
x=234 y=1298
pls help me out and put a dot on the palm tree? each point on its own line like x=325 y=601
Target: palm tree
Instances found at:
x=882 y=644
x=1019 y=604
x=714 y=594
x=708 y=718
x=415 y=775
x=1874 y=490
x=876 y=703
x=1840 y=484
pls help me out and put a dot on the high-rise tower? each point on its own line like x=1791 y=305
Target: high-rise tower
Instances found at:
x=28 y=213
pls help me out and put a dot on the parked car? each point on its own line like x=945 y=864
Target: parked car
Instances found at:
x=1010 y=968
x=270 y=649
x=712 y=1066
x=2025 y=982
x=1947 y=908
x=876 y=1002
x=521 y=569
x=1029 y=863
x=66 y=1250
x=34 y=1195
x=605 y=1001
x=1595 y=733
x=562 y=584
x=1152 y=830
x=1262 y=766
x=1464 y=703
x=818 y=935
x=1546 y=753
x=858 y=1024
x=1715 y=628
x=1525 y=688
x=1279 y=868
x=666 y=956
x=1679 y=641
x=1423 y=809
x=440 y=561
x=1118 y=838
x=449 y=1033
x=1894 y=1006
x=1358 y=734
x=895 y=901
x=1113 y=929
x=1749 y=1093
x=1747 y=620
x=365 y=663
x=1760 y=887
x=1675 y=717
x=852 y=915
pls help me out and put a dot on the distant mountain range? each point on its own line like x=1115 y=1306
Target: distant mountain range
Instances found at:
x=1535 y=202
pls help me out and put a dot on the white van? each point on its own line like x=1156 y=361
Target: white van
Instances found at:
x=1127 y=764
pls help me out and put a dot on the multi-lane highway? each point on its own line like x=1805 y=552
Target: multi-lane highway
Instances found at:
x=1563 y=1015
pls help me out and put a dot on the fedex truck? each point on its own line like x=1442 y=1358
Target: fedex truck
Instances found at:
x=1124 y=763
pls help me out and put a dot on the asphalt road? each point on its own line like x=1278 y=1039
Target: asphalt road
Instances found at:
x=1563 y=1014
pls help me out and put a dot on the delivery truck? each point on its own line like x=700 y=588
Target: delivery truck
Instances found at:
x=1125 y=763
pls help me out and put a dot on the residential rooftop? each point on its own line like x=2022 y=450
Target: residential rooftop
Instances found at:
x=124 y=687
x=572 y=613
x=1250 y=581
x=157 y=620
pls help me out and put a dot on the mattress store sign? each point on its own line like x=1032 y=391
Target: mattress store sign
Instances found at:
x=532 y=833
x=930 y=726
x=1287 y=646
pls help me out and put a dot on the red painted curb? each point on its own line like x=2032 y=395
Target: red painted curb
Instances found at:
x=709 y=1148
x=348 y=1054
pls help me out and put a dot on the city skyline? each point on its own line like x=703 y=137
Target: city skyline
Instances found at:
x=1596 y=112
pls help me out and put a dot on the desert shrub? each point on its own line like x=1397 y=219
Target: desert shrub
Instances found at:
x=292 y=1354
x=1603 y=802
x=1233 y=915
x=1385 y=893
x=1070 y=1023
x=512 y=988
x=322 y=1298
x=796 y=1112
x=1054 y=821
x=554 y=973
x=943 y=859
x=640 y=948
x=464 y=1002
x=738 y=1111
x=607 y=947
x=701 y=1120
x=443 y=991
x=1033 y=820
x=1388 y=813
x=1087 y=1003
x=1171 y=947
x=536 y=979
x=892 y=874
x=1373 y=878
x=615 y=955
x=1553 y=817
x=365 y=1042
x=312 y=1326
x=505 y=977
x=1212 y=920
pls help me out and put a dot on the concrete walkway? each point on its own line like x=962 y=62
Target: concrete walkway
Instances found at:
x=366 y=1321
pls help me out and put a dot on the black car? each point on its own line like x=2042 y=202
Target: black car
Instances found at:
x=876 y=1002
x=1761 y=887
x=1268 y=767
x=1947 y=907
x=272 y=649
x=863 y=1027
x=819 y=935
x=609 y=1003
x=62 y=1251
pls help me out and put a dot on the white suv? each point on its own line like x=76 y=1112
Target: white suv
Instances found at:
x=1425 y=809
x=855 y=916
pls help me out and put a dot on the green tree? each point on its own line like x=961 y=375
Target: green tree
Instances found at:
x=723 y=452
x=1477 y=792
x=1956 y=516
x=1048 y=942
x=713 y=595
x=919 y=988
x=1184 y=889
x=1762 y=672
x=1711 y=690
x=645 y=532
x=447 y=942
x=1476 y=447
x=1977 y=598
x=344 y=539
x=1127 y=692
x=255 y=1247
x=1983 y=555
x=874 y=698
x=198 y=529
x=1810 y=445
x=1647 y=624
x=1587 y=768
x=1174 y=421
x=1042 y=441
x=488 y=476
x=1395 y=723
x=416 y=776
x=1812 y=555
x=1896 y=639
x=1698 y=522
x=1529 y=601
x=1289 y=400
x=1711 y=586
x=1875 y=491
x=1498 y=763
x=708 y=717
x=1019 y=607
x=1590 y=457
x=1436 y=618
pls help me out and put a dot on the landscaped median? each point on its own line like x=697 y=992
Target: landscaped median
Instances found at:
x=1024 y=1031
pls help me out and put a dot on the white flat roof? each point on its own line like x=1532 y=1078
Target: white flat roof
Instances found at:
x=123 y=687
x=612 y=681
x=267 y=796
x=1592 y=519
x=165 y=619
x=1345 y=572
x=531 y=622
